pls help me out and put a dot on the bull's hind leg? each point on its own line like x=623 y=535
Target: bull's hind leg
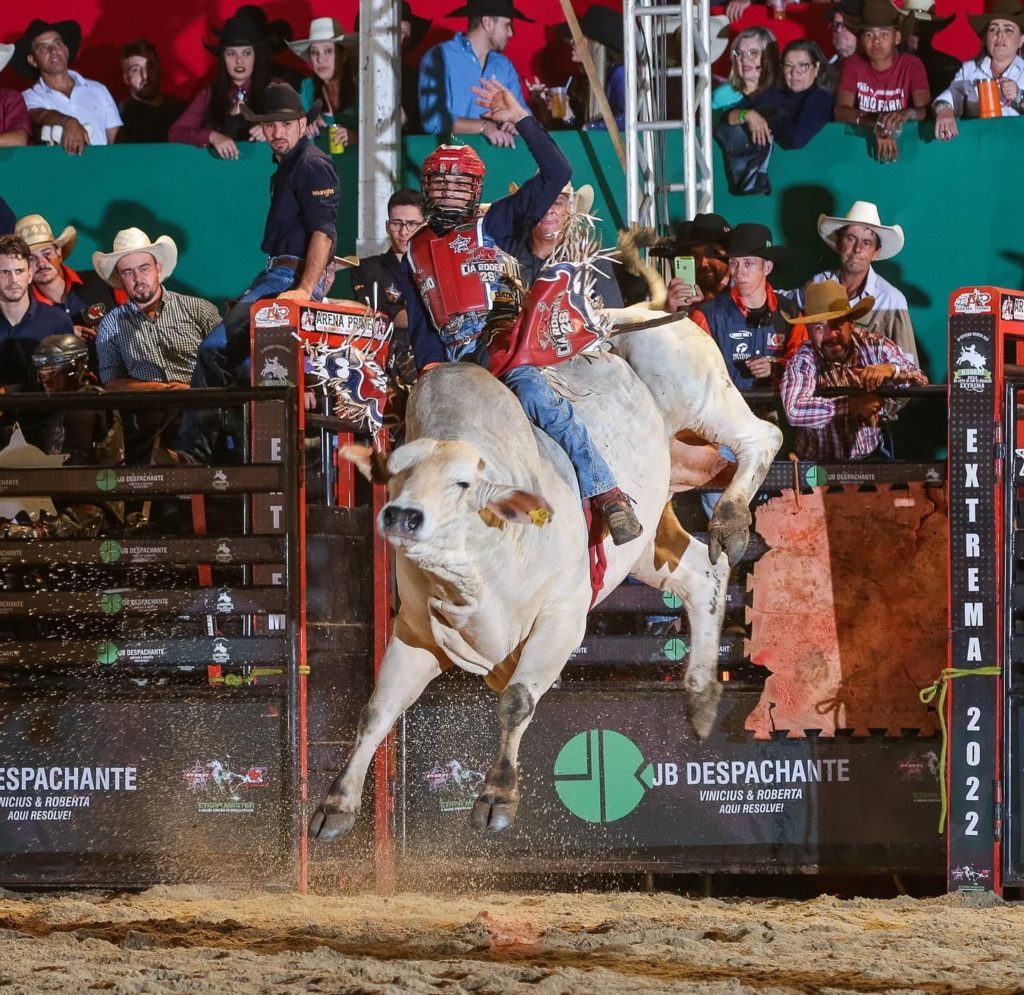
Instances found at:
x=677 y=562
x=405 y=671
x=540 y=662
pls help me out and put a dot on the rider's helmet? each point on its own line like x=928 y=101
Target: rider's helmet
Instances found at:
x=66 y=353
x=452 y=179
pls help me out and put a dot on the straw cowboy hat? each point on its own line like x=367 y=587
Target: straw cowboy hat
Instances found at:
x=827 y=301
x=581 y=200
x=129 y=240
x=69 y=31
x=282 y=103
x=924 y=10
x=863 y=213
x=320 y=29
x=6 y=51
x=999 y=10
x=36 y=230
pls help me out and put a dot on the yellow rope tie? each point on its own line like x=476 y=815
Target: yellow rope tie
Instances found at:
x=927 y=696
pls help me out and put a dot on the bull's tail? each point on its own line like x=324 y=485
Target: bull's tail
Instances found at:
x=630 y=242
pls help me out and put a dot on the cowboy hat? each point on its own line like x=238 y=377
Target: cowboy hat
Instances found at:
x=418 y=26
x=489 y=8
x=998 y=10
x=863 y=213
x=848 y=8
x=749 y=239
x=320 y=29
x=718 y=36
x=36 y=230
x=282 y=103
x=880 y=14
x=600 y=24
x=129 y=240
x=69 y=31
x=581 y=199
x=709 y=230
x=6 y=51
x=924 y=10
x=240 y=29
x=827 y=301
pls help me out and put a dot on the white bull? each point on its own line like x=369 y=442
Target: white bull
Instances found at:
x=492 y=561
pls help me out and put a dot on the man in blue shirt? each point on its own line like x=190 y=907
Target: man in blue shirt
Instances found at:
x=450 y=70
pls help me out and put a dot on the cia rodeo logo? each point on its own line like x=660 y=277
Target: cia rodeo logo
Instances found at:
x=971 y=371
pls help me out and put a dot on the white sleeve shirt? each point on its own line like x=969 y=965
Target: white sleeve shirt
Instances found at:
x=90 y=103
x=962 y=93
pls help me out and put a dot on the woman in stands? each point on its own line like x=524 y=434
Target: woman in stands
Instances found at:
x=755 y=67
x=333 y=80
x=999 y=61
x=213 y=118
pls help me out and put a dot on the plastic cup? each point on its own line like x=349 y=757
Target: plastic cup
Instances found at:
x=778 y=8
x=334 y=143
x=558 y=97
x=989 y=104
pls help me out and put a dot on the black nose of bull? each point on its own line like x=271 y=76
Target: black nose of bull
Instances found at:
x=406 y=521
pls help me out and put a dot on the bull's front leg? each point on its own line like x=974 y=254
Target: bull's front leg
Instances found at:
x=541 y=661
x=405 y=671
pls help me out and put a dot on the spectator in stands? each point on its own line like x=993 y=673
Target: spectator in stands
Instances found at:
x=413 y=30
x=755 y=66
x=85 y=298
x=379 y=282
x=844 y=41
x=6 y=218
x=147 y=113
x=213 y=118
x=998 y=60
x=298 y=239
x=448 y=105
x=749 y=323
x=921 y=31
x=64 y=106
x=703 y=238
x=603 y=26
x=333 y=81
x=14 y=123
x=150 y=342
x=24 y=322
x=839 y=354
x=861 y=239
x=884 y=88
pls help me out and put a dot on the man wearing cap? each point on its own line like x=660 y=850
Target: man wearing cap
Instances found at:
x=749 y=323
x=85 y=298
x=449 y=72
x=860 y=238
x=298 y=239
x=14 y=123
x=61 y=98
x=839 y=354
x=703 y=238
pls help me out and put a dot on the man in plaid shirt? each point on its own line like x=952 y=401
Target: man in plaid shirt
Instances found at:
x=838 y=354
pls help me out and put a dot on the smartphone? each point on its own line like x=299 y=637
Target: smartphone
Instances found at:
x=685 y=269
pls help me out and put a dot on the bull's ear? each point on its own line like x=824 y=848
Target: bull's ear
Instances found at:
x=410 y=454
x=512 y=504
x=371 y=463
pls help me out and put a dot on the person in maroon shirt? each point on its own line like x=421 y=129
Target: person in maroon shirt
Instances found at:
x=882 y=88
x=14 y=123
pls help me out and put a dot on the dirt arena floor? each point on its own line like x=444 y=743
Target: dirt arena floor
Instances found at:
x=188 y=939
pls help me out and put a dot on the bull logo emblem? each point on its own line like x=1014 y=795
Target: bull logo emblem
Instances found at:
x=273 y=369
x=224 y=602
x=220 y=652
x=969 y=356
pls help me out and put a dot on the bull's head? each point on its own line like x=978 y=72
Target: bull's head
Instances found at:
x=432 y=485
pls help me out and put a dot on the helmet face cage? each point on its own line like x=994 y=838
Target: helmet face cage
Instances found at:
x=455 y=174
x=61 y=352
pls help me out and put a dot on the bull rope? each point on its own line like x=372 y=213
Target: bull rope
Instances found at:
x=927 y=695
x=636 y=326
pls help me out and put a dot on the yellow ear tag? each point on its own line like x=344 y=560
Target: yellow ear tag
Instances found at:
x=540 y=516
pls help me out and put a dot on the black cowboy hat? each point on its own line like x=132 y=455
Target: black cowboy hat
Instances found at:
x=600 y=24
x=418 y=26
x=242 y=28
x=282 y=103
x=848 y=8
x=748 y=239
x=999 y=10
x=710 y=230
x=881 y=14
x=489 y=8
x=277 y=33
x=70 y=32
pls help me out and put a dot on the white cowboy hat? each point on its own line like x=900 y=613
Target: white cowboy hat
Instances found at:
x=36 y=230
x=320 y=29
x=129 y=240
x=6 y=51
x=581 y=199
x=863 y=213
x=924 y=10
x=718 y=37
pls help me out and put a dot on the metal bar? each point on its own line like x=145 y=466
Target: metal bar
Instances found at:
x=142 y=400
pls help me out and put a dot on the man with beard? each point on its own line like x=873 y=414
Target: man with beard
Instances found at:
x=703 y=238
x=147 y=113
x=151 y=341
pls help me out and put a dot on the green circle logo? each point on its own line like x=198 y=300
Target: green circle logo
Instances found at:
x=676 y=649
x=601 y=776
x=671 y=600
x=816 y=476
x=110 y=551
x=106 y=654
x=106 y=480
x=110 y=602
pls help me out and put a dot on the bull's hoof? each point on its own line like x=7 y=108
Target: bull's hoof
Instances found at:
x=492 y=815
x=329 y=825
x=734 y=544
x=702 y=708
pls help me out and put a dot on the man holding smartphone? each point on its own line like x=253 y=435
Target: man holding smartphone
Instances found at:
x=700 y=270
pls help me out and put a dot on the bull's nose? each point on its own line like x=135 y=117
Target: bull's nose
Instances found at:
x=397 y=519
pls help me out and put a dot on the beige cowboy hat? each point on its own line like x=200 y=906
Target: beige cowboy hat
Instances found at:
x=924 y=10
x=129 y=240
x=581 y=199
x=863 y=213
x=36 y=230
x=718 y=36
x=320 y=29
x=828 y=300
x=6 y=51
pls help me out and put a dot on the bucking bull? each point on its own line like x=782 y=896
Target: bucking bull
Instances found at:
x=491 y=541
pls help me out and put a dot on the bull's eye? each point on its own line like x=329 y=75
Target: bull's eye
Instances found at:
x=464 y=484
